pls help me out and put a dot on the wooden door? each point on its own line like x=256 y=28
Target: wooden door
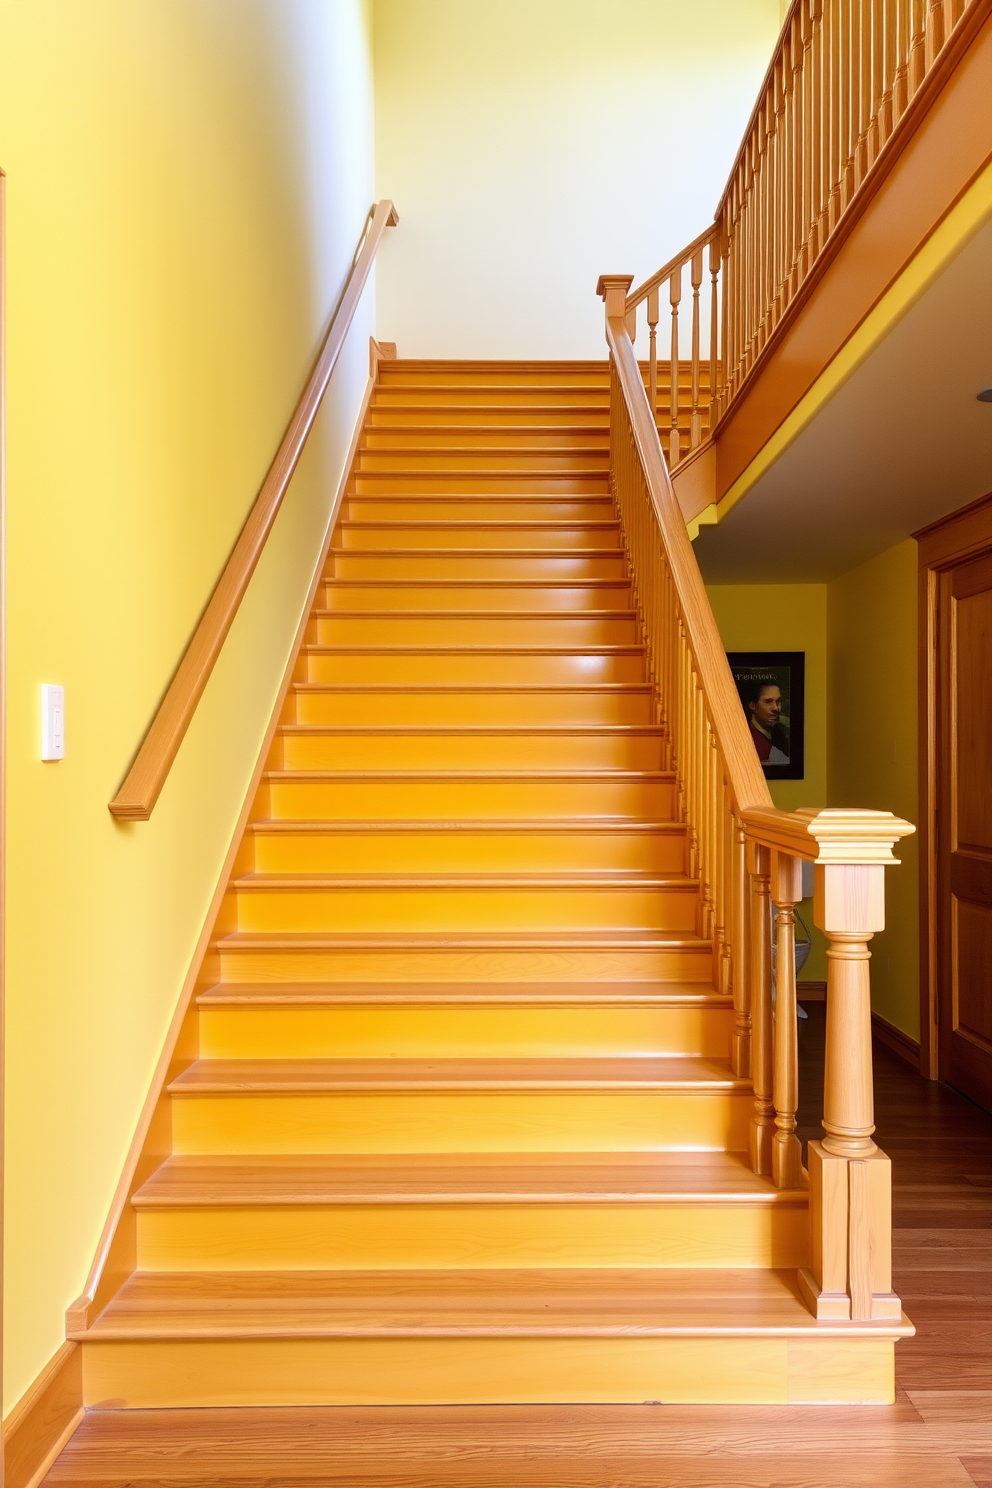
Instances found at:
x=956 y=558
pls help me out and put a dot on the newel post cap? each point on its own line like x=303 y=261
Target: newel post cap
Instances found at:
x=613 y=289
x=848 y=836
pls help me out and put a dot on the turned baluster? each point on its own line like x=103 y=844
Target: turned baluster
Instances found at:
x=887 y=69
x=739 y=973
x=653 y=350
x=697 y=279
x=724 y=391
x=786 y=891
x=763 y=1120
x=903 y=42
x=816 y=131
x=935 y=30
x=674 y=295
x=917 y=46
x=835 y=145
x=714 y=329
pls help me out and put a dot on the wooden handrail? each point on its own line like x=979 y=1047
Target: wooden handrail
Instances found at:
x=636 y=296
x=136 y=798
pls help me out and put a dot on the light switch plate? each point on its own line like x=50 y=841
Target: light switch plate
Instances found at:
x=52 y=721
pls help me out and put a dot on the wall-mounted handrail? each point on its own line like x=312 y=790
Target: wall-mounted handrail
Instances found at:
x=746 y=856
x=848 y=83
x=136 y=798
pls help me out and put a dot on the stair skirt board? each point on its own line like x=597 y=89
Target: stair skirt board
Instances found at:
x=447 y=1114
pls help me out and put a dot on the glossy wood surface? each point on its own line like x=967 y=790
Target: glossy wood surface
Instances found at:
x=937 y=1435
x=135 y=800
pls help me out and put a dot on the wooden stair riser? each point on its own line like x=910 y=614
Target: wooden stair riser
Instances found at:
x=508 y=436
x=460 y=629
x=267 y=908
x=397 y=413
x=356 y=598
x=462 y=1121
x=353 y=798
x=413 y=535
x=612 y=707
x=467 y=751
x=243 y=962
x=466 y=848
x=499 y=460
x=466 y=566
x=436 y=1030
x=360 y=1237
x=447 y=667
x=529 y=481
x=487 y=1370
x=457 y=508
x=523 y=376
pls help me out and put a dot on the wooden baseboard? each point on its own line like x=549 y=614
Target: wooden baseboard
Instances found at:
x=43 y=1419
x=811 y=991
x=893 y=1038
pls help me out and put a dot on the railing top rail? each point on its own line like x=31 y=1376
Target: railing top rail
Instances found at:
x=747 y=782
x=636 y=296
x=141 y=788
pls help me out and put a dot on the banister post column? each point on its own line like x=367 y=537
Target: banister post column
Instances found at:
x=786 y=891
x=613 y=289
x=850 y=1270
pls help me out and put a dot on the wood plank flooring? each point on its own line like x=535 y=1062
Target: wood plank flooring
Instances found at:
x=937 y=1435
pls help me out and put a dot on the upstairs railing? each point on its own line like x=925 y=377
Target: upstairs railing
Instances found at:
x=746 y=853
x=834 y=105
x=149 y=771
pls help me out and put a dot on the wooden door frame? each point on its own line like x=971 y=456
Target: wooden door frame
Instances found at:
x=966 y=533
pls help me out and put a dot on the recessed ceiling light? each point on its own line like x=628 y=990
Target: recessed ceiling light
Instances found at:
x=984 y=395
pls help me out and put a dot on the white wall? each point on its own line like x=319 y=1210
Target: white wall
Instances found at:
x=532 y=145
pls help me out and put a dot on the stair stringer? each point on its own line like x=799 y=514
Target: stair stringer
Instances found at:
x=116 y=1253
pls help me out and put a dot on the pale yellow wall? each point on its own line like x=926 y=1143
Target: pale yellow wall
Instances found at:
x=872 y=626
x=187 y=180
x=532 y=145
x=787 y=617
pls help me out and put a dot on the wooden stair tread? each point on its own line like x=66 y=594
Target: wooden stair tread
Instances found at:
x=475 y=730
x=322 y=614
x=459 y=524
x=567 y=555
x=460 y=1178
x=611 y=776
x=572 y=879
x=390 y=648
x=493 y=1303
x=463 y=994
x=268 y=825
x=568 y=940
x=601 y=689
x=298 y=1076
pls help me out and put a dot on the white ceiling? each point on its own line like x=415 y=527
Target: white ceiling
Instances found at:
x=903 y=442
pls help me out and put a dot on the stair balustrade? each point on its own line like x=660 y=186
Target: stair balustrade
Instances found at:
x=839 y=99
x=745 y=852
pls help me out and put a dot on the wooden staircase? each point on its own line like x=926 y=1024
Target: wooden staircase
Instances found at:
x=460 y=1123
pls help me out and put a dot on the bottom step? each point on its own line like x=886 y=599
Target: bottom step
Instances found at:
x=469 y=1337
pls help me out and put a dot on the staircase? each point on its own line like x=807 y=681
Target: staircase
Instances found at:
x=461 y=1123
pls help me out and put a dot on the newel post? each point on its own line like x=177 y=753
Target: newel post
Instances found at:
x=613 y=289
x=850 y=1270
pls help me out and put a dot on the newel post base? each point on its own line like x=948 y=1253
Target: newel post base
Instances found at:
x=849 y=1278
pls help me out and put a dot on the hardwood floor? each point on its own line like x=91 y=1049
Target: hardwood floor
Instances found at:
x=937 y=1435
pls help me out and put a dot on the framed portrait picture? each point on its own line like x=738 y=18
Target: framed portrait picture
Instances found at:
x=771 y=686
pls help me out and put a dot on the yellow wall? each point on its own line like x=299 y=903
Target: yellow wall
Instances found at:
x=872 y=628
x=187 y=180
x=533 y=145
x=787 y=617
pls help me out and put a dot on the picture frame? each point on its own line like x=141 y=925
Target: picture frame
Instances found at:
x=771 y=686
